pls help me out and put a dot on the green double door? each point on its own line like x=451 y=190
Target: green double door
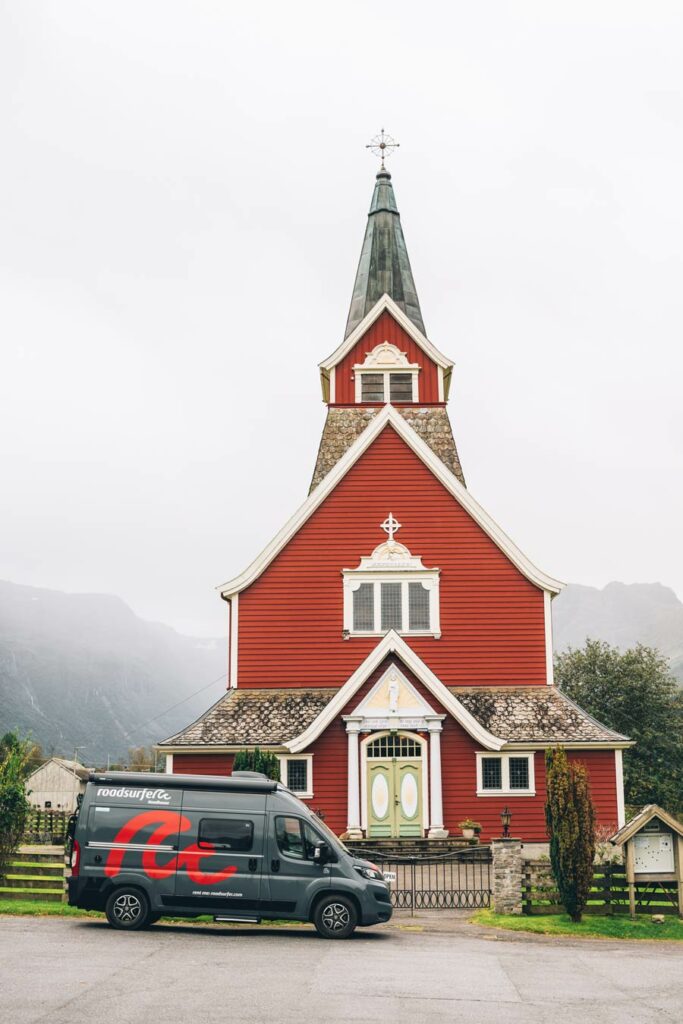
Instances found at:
x=394 y=798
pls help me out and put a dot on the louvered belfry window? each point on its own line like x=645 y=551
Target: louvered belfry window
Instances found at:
x=372 y=387
x=400 y=387
x=391 y=606
x=364 y=608
x=418 y=606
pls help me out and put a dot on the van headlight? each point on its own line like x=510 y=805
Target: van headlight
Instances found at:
x=370 y=871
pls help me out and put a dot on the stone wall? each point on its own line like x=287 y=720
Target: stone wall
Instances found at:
x=344 y=425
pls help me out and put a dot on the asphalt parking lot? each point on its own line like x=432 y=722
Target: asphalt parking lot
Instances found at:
x=68 y=971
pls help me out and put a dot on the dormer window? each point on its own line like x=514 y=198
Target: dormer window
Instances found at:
x=386 y=376
x=391 y=589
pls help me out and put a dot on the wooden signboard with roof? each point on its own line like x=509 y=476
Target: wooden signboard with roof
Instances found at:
x=653 y=851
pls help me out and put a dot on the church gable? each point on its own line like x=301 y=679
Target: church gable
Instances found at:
x=291 y=617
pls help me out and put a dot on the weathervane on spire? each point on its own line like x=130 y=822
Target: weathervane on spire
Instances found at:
x=380 y=145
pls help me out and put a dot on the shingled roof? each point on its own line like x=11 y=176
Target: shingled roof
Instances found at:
x=243 y=717
x=533 y=714
x=519 y=714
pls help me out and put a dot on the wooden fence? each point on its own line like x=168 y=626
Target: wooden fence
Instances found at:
x=46 y=826
x=609 y=894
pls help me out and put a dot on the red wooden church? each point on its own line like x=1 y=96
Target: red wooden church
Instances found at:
x=391 y=644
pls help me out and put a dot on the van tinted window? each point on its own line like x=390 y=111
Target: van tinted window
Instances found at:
x=226 y=833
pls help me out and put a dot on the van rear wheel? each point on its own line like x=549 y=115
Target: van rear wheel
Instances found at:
x=335 y=917
x=128 y=909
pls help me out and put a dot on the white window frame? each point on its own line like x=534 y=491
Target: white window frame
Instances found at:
x=505 y=773
x=358 y=372
x=284 y=759
x=429 y=579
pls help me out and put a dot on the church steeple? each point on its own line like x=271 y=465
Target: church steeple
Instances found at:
x=384 y=267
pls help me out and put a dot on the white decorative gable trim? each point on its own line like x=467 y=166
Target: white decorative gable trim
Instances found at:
x=390 y=416
x=394 y=644
x=394 y=703
x=388 y=304
x=391 y=556
x=386 y=356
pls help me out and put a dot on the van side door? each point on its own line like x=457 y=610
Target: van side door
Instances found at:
x=220 y=860
x=294 y=878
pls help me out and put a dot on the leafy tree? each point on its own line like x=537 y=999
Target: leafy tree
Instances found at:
x=633 y=692
x=141 y=759
x=570 y=818
x=30 y=754
x=257 y=761
x=14 y=805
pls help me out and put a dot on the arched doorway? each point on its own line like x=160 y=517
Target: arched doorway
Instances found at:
x=395 y=785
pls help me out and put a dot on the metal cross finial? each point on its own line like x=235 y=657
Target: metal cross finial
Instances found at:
x=380 y=144
x=390 y=525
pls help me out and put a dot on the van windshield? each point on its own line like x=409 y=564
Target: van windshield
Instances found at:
x=334 y=840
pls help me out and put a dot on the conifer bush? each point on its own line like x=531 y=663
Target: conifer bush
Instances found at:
x=14 y=806
x=257 y=761
x=570 y=818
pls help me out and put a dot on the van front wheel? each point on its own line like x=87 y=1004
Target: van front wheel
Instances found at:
x=128 y=909
x=335 y=917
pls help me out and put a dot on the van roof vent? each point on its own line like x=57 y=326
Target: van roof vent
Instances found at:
x=250 y=775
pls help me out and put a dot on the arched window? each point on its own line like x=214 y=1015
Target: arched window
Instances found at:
x=393 y=745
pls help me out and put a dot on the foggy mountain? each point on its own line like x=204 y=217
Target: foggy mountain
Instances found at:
x=622 y=614
x=82 y=670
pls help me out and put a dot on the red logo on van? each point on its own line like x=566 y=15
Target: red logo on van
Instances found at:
x=169 y=823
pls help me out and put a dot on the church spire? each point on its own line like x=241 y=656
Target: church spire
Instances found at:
x=384 y=265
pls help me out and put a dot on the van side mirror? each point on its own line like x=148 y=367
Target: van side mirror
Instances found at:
x=321 y=853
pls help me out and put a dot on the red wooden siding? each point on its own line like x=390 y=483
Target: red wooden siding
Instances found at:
x=291 y=618
x=202 y=764
x=603 y=783
x=385 y=328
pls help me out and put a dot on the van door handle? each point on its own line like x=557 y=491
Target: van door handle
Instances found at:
x=275 y=865
x=252 y=863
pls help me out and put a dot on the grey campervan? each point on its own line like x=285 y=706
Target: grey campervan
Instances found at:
x=241 y=848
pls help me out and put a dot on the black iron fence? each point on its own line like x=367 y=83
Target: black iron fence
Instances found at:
x=455 y=880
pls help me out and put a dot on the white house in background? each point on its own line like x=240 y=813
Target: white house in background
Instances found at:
x=56 y=784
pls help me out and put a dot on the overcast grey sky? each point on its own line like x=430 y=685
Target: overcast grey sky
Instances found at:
x=183 y=194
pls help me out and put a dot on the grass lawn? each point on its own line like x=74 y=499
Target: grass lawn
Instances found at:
x=44 y=908
x=616 y=927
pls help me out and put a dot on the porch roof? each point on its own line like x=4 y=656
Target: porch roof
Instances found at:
x=519 y=714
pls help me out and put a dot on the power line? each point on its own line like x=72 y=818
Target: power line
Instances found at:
x=161 y=714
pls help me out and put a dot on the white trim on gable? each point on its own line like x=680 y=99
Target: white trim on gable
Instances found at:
x=548 y=626
x=388 y=304
x=394 y=644
x=234 y=640
x=390 y=416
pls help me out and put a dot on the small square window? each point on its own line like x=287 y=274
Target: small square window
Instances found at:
x=519 y=773
x=491 y=773
x=297 y=775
